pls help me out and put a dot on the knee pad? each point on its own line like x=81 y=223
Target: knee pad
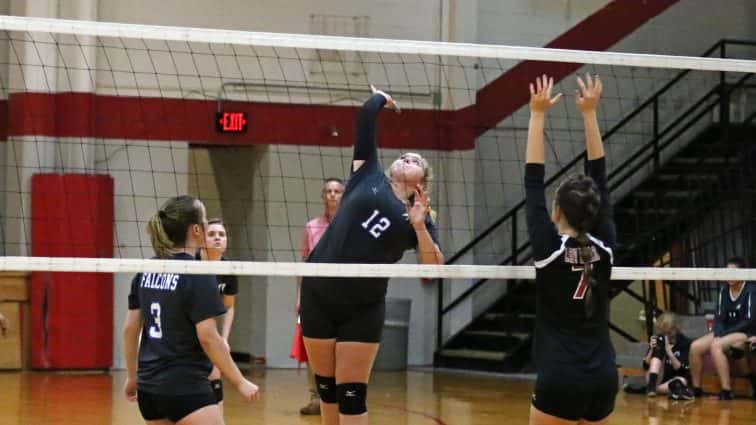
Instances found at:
x=327 y=389
x=217 y=385
x=352 y=398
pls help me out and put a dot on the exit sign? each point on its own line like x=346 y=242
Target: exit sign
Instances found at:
x=231 y=122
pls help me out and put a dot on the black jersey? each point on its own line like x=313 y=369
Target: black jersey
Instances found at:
x=564 y=334
x=228 y=284
x=171 y=359
x=738 y=315
x=371 y=225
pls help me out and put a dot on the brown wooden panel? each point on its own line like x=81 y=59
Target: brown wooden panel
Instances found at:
x=10 y=344
x=13 y=287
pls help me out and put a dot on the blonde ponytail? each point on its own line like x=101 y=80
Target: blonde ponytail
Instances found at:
x=161 y=243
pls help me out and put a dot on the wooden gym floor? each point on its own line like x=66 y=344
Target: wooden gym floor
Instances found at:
x=395 y=398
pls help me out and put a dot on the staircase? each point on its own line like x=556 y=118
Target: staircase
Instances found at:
x=499 y=340
x=710 y=172
x=714 y=167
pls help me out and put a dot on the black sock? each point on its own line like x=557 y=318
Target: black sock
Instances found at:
x=652 y=378
x=752 y=378
x=675 y=386
x=697 y=391
x=725 y=395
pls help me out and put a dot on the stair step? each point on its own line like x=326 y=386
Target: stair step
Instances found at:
x=686 y=177
x=711 y=160
x=465 y=363
x=468 y=353
x=510 y=316
x=518 y=335
x=669 y=193
x=646 y=211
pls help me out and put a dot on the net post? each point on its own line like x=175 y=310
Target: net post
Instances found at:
x=440 y=315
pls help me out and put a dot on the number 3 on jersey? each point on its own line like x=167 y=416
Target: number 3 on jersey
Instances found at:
x=377 y=228
x=155 y=331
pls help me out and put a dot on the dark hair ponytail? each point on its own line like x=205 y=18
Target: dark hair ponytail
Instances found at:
x=586 y=256
x=578 y=198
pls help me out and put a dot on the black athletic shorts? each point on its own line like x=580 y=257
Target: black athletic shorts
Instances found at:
x=172 y=407
x=570 y=394
x=344 y=322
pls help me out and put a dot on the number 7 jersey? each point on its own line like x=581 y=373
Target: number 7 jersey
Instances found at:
x=564 y=332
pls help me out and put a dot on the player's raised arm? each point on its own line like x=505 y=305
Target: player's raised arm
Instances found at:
x=365 y=147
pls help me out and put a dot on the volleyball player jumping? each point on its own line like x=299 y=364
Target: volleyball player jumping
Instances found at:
x=379 y=218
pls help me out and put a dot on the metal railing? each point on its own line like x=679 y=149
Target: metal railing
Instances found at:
x=664 y=135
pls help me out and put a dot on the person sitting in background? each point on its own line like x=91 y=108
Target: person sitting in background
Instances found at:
x=667 y=360
x=734 y=317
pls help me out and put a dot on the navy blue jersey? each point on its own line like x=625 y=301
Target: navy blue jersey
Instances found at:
x=171 y=359
x=564 y=333
x=736 y=315
x=228 y=284
x=371 y=225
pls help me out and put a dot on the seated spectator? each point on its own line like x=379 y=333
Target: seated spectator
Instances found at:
x=733 y=319
x=667 y=360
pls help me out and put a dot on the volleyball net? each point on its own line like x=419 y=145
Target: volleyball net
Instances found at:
x=106 y=121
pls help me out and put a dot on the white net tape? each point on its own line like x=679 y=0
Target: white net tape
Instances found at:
x=251 y=268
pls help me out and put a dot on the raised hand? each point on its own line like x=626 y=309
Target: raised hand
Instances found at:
x=540 y=94
x=587 y=97
x=390 y=102
x=419 y=209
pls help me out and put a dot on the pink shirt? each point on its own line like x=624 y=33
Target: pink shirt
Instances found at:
x=313 y=231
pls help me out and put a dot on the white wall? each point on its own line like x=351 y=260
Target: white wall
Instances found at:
x=413 y=19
